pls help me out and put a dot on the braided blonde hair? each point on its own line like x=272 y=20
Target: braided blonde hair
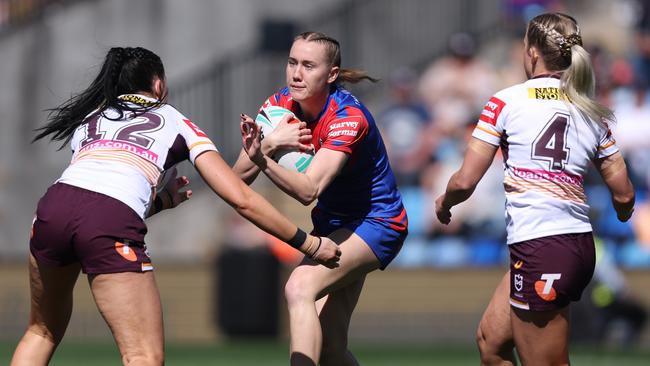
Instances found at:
x=557 y=37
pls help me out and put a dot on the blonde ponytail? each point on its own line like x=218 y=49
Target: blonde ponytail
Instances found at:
x=579 y=84
x=558 y=38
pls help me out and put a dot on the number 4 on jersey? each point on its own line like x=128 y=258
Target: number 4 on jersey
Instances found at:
x=550 y=144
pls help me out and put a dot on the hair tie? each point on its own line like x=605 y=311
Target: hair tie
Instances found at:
x=568 y=42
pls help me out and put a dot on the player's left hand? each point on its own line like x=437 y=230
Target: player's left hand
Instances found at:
x=172 y=194
x=251 y=140
x=443 y=213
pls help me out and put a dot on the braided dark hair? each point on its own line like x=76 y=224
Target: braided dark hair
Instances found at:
x=125 y=70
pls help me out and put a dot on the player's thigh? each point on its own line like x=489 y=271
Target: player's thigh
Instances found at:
x=51 y=297
x=314 y=280
x=541 y=337
x=494 y=330
x=130 y=304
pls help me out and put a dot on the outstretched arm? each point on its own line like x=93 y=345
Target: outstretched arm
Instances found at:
x=614 y=173
x=478 y=158
x=248 y=203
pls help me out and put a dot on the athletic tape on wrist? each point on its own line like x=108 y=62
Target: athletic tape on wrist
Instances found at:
x=320 y=241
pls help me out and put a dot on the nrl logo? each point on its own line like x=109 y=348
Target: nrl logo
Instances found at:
x=519 y=282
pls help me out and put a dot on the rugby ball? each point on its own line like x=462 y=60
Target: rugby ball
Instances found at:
x=268 y=119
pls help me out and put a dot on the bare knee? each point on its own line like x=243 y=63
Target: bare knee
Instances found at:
x=297 y=291
x=48 y=334
x=493 y=350
x=483 y=346
x=143 y=357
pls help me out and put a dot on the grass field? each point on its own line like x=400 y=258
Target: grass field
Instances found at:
x=275 y=353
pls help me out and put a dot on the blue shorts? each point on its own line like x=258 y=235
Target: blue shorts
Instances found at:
x=384 y=236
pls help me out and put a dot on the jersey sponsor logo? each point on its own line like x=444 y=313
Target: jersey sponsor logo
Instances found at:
x=492 y=110
x=125 y=251
x=534 y=174
x=195 y=128
x=342 y=133
x=544 y=287
x=547 y=94
x=519 y=282
x=344 y=124
x=121 y=145
x=518 y=264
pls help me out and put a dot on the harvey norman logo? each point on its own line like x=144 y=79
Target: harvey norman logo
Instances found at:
x=345 y=124
x=349 y=127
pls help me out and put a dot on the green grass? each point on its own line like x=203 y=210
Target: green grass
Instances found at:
x=275 y=353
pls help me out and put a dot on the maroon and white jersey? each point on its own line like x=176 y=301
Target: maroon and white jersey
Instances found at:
x=547 y=146
x=125 y=158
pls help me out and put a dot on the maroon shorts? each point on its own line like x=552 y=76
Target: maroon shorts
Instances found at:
x=548 y=273
x=73 y=224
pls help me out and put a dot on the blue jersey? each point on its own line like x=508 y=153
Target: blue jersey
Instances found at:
x=365 y=187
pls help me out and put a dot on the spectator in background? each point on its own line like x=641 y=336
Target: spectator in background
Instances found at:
x=642 y=38
x=404 y=126
x=455 y=86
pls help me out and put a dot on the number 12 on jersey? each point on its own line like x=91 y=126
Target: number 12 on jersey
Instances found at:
x=550 y=144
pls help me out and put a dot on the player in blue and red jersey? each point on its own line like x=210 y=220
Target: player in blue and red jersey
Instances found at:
x=359 y=206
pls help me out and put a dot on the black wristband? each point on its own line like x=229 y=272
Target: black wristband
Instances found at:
x=298 y=239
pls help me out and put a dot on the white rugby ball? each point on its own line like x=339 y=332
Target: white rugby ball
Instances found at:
x=268 y=119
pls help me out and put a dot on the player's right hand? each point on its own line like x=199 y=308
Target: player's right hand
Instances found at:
x=328 y=254
x=290 y=134
x=251 y=141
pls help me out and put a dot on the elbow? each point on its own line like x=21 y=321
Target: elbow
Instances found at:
x=306 y=199
x=308 y=196
x=625 y=199
x=464 y=185
x=242 y=203
x=241 y=206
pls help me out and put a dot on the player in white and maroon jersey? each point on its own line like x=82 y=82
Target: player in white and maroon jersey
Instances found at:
x=550 y=130
x=124 y=137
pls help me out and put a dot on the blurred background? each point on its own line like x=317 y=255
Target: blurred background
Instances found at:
x=439 y=61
